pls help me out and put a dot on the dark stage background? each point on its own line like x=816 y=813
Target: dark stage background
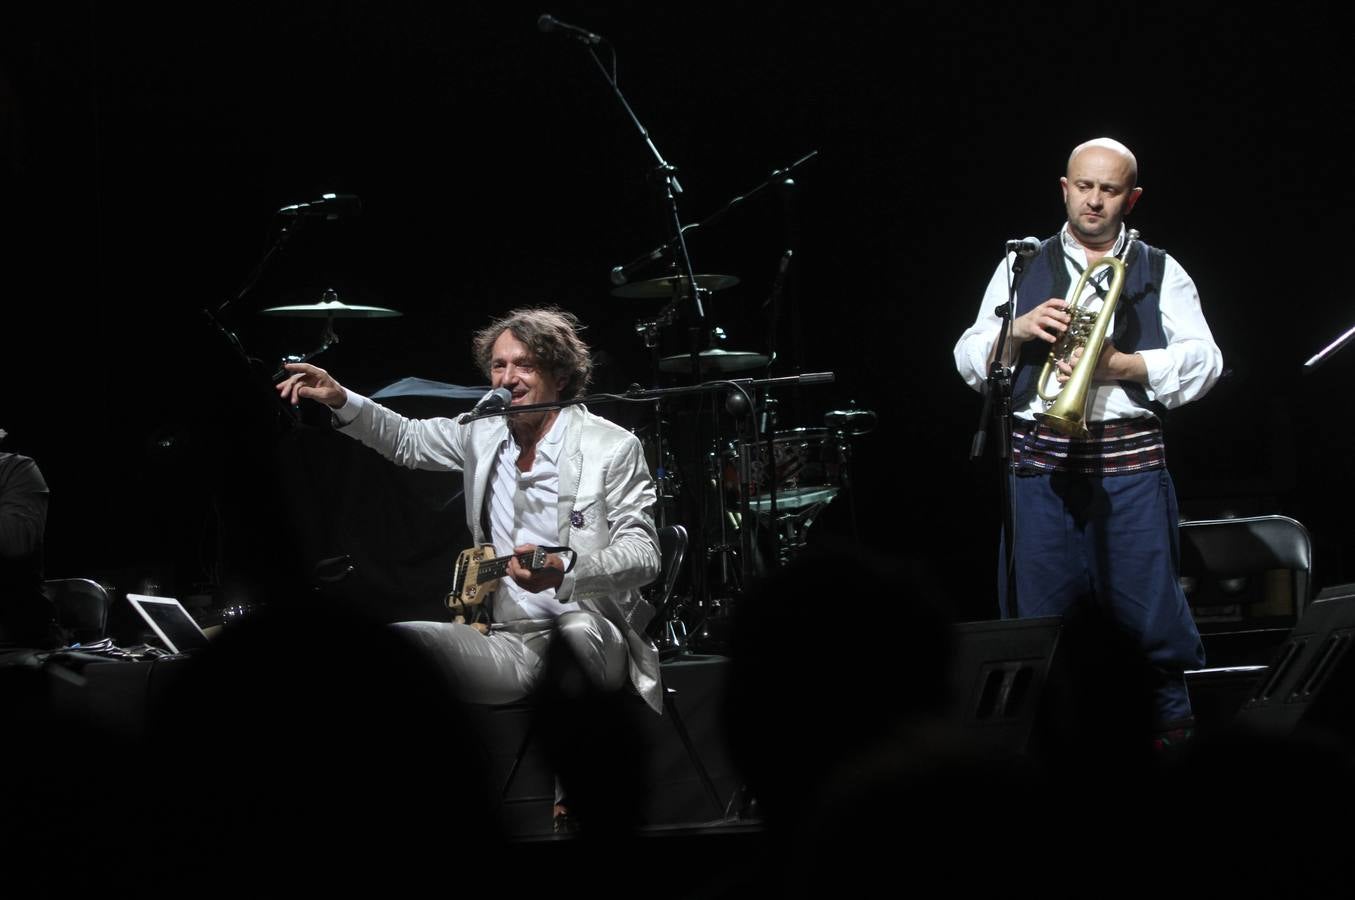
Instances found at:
x=145 y=149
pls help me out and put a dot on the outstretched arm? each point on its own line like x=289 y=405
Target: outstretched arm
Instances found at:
x=435 y=444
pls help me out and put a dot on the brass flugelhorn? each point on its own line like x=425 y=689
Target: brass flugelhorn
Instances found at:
x=1067 y=413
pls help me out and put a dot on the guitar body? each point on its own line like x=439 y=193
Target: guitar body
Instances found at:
x=476 y=577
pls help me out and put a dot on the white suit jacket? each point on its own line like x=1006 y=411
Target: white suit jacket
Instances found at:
x=605 y=487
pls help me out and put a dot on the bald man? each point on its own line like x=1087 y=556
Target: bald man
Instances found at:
x=1095 y=519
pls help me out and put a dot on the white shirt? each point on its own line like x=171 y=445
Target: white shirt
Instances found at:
x=523 y=509
x=1182 y=371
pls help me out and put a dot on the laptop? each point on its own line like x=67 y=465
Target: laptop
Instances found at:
x=170 y=621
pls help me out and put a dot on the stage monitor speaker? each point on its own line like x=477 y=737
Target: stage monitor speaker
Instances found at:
x=999 y=674
x=1309 y=689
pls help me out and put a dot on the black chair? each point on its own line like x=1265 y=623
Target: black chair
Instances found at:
x=1247 y=581
x=81 y=607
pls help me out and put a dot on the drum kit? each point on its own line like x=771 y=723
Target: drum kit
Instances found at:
x=772 y=481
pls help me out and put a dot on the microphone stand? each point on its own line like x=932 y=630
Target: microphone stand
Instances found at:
x=666 y=176
x=620 y=275
x=214 y=317
x=997 y=409
x=638 y=394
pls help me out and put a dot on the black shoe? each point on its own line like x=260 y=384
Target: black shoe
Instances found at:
x=1174 y=735
x=562 y=822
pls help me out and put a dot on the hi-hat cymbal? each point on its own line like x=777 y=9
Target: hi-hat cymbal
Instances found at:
x=715 y=361
x=331 y=309
x=663 y=287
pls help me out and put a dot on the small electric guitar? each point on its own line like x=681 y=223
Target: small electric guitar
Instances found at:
x=477 y=575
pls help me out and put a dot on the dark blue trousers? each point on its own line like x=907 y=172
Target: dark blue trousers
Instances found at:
x=1113 y=537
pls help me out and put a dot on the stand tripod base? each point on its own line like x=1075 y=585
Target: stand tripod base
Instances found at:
x=714 y=634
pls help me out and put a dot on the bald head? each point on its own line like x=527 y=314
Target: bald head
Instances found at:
x=1113 y=146
x=1099 y=191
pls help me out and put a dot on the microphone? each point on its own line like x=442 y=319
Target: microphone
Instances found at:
x=1027 y=247
x=494 y=400
x=548 y=23
x=621 y=274
x=329 y=206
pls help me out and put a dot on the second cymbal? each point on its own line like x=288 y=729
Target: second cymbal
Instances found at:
x=715 y=361
x=331 y=308
x=666 y=286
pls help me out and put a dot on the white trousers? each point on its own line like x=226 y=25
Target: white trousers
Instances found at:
x=505 y=665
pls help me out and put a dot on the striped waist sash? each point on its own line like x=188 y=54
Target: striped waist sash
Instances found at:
x=1115 y=447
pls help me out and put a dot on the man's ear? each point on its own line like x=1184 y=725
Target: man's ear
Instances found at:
x=1132 y=199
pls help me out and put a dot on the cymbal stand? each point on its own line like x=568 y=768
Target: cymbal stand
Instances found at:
x=328 y=338
x=664 y=478
x=843 y=445
x=715 y=456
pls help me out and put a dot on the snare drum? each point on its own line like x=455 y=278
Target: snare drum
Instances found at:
x=808 y=469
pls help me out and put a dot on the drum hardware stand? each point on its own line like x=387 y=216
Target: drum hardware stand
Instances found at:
x=844 y=459
x=846 y=424
x=650 y=330
x=773 y=479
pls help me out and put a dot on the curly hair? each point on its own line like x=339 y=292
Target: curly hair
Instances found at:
x=551 y=335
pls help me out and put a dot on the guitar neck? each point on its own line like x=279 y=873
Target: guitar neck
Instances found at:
x=497 y=567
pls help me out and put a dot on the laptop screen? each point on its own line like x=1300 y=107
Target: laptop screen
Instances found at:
x=170 y=621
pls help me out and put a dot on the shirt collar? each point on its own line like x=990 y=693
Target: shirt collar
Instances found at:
x=549 y=446
x=1070 y=243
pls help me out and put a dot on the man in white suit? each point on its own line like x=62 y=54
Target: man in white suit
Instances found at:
x=550 y=478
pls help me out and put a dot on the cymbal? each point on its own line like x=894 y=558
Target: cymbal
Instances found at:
x=331 y=309
x=663 y=287
x=425 y=389
x=715 y=361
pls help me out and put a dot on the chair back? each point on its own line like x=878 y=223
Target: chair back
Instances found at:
x=1222 y=549
x=672 y=551
x=81 y=607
